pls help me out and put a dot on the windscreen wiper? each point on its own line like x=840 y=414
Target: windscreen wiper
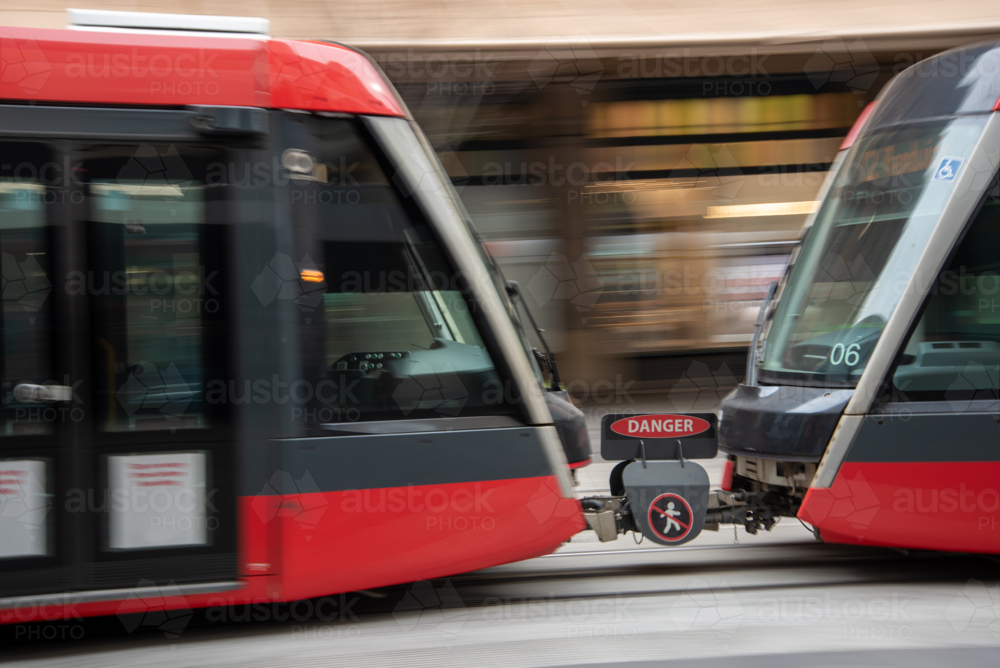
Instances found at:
x=514 y=292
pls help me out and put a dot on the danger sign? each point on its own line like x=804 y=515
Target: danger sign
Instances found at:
x=660 y=426
x=659 y=436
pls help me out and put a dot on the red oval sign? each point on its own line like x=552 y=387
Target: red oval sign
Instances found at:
x=660 y=426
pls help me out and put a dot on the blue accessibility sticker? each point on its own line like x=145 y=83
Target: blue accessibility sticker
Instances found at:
x=948 y=169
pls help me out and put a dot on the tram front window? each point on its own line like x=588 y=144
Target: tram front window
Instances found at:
x=389 y=322
x=862 y=249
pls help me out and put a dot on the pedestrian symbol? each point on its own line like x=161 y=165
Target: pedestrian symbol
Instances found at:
x=948 y=169
x=670 y=517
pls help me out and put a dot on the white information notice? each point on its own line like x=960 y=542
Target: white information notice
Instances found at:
x=157 y=501
x=24 y=509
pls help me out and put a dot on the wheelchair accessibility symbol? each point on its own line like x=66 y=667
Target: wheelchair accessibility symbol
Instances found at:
x=948 y=169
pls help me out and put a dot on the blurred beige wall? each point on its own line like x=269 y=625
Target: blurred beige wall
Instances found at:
x=500 y=85
x=651 y=21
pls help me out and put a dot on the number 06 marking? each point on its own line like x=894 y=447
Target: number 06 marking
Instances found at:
x=850 y=355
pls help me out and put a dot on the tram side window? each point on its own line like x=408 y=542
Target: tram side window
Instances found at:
x=155 y=285
x=954 y=353
x=397 y=337
x=26 y=317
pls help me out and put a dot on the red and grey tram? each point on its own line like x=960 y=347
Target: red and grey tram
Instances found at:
x=250 y=347
x=871 y=407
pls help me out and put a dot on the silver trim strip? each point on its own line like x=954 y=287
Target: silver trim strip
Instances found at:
x=973 y=407
x=424 y=426
x=194 y=23
x=836 y=450
x=99 y=596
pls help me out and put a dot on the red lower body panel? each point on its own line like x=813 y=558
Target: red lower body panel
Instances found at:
x=952 y=506
x=309 y=545
x=377 y=537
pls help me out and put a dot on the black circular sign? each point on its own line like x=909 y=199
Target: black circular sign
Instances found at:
x=670 y=517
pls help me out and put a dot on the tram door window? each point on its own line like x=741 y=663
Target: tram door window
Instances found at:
x=26 y=288
x=953 y=353
x=152 y=295
x=27 y=426
x=390 y=329
x=158 y=335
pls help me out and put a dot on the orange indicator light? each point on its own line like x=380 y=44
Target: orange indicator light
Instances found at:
x=312 y=276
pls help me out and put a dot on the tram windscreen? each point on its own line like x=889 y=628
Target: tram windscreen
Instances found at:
x=860 y=253
x=389 y=321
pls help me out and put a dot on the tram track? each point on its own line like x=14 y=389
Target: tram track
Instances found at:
x=665 y=571
x=522 y=614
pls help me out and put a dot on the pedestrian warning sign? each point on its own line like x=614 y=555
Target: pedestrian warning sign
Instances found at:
x=670 y=517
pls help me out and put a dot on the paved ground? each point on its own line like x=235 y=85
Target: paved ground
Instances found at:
x=775 y=605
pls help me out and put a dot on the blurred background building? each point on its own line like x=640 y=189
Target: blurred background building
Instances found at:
x=642 y=169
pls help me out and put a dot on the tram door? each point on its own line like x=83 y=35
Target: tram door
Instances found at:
x=161 y=455
x=115 y=470
x=34 y=544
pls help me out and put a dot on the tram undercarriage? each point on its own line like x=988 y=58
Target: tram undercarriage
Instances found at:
x=760 y=493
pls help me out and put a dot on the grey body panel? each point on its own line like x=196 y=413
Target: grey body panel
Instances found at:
x=571 y=425
x=780 y=422
x=961 y=437
x=378 y=461
x=97 y=123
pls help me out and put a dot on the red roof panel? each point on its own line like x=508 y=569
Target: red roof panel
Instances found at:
x=177 y=70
